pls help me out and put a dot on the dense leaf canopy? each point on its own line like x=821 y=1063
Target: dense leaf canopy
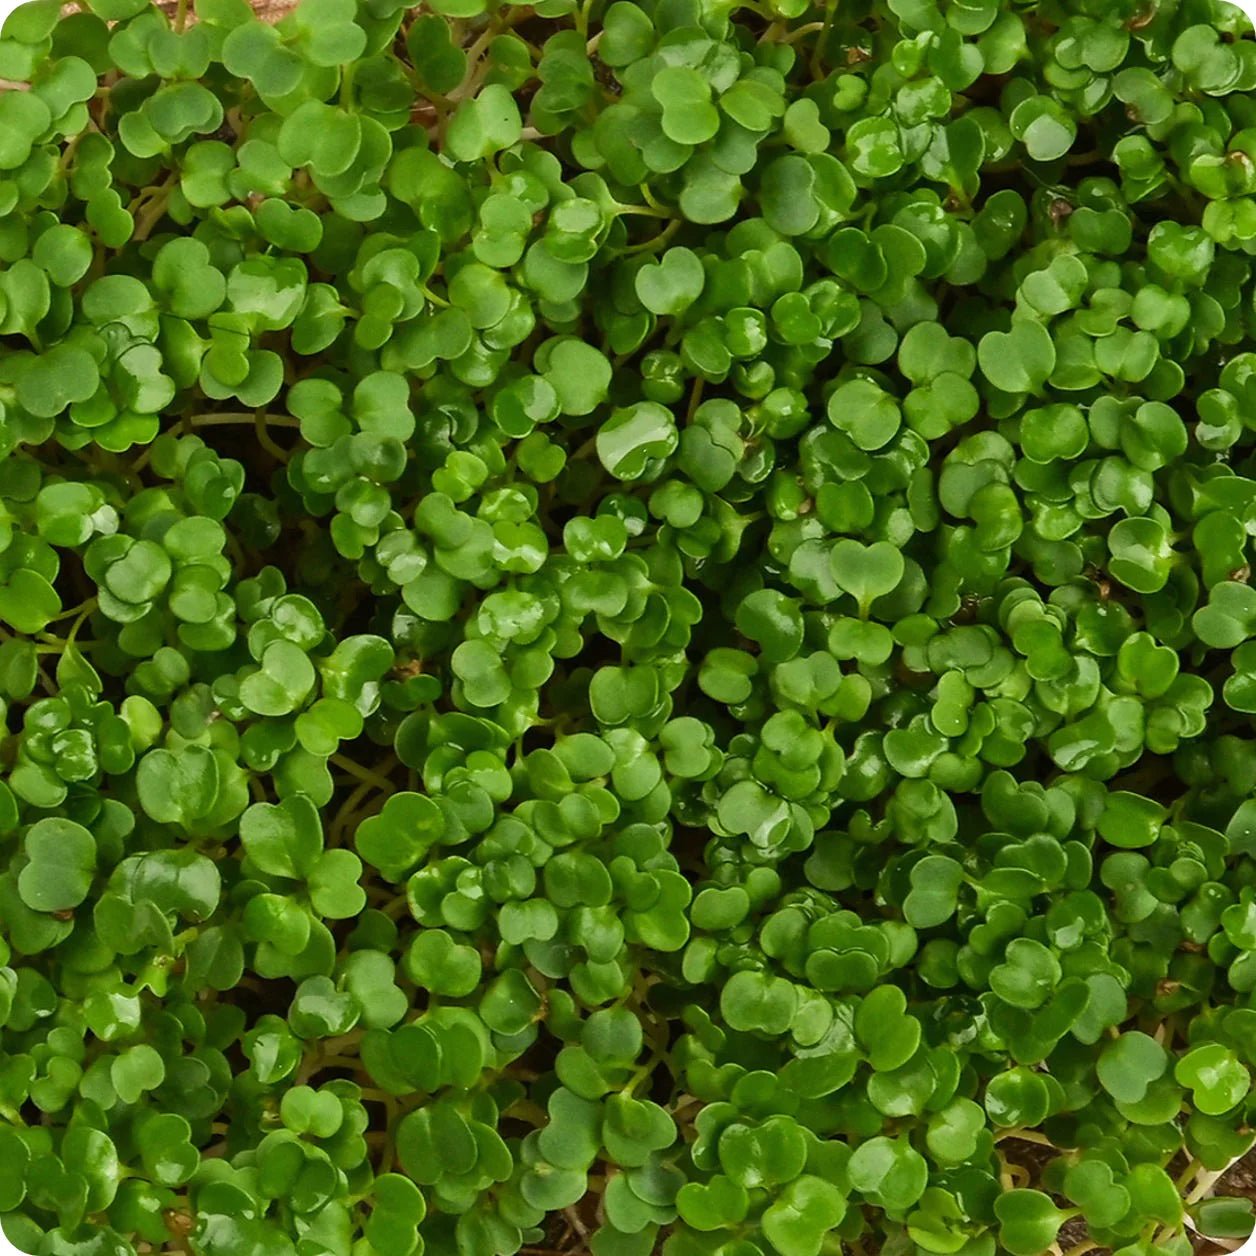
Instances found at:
x=627 y=627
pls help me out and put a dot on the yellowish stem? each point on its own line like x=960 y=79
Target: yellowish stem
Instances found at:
x=345 y=764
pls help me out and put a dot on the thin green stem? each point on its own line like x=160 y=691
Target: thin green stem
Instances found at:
x=265 y=439
x=656 y=241
x=345 y=764
x=228 y=419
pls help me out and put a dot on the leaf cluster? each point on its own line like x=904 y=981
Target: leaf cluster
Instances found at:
x=626 y=627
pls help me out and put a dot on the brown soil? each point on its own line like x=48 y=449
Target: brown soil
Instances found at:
x=1240 y=1181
